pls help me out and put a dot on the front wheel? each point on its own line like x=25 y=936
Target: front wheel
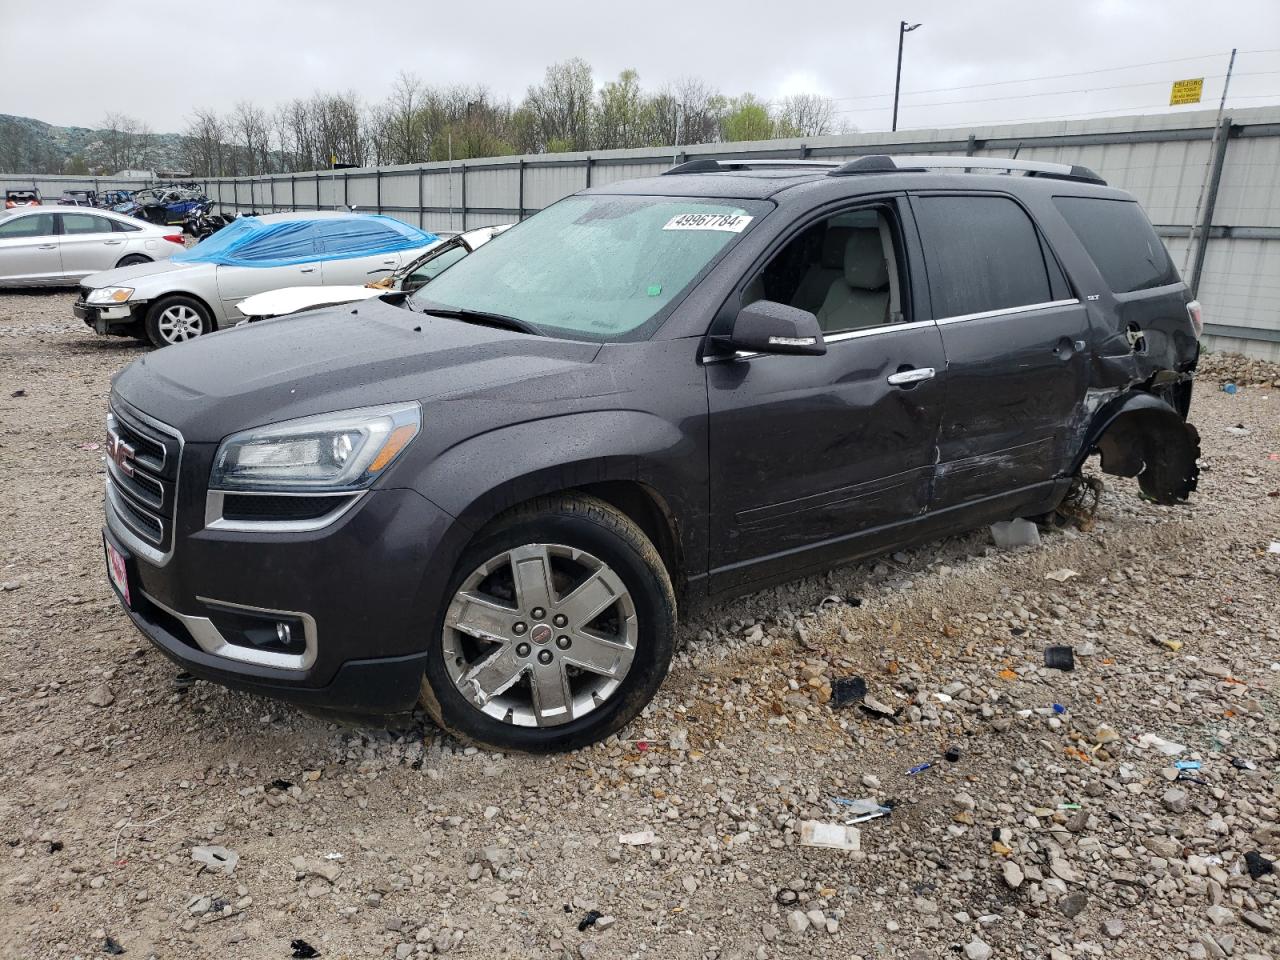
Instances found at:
x=176 y=320
x=558 y=627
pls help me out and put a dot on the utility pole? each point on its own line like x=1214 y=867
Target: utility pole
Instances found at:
x=903 y=29
x=1208 y=169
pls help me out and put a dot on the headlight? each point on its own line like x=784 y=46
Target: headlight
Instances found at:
x=333 y=451
x=110 y=295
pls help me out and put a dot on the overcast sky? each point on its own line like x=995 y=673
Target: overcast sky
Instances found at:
x=158 y=61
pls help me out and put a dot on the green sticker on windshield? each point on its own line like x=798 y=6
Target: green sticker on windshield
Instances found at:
x=655 y=289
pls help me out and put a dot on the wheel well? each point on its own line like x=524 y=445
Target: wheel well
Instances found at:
x=134 y=258
x=213 y=317
x=646 y=508
x=1157 y=447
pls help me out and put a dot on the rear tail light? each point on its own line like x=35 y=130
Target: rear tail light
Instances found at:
x=1197 y=319
x=176 y=238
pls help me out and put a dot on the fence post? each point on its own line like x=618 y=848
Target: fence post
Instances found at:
x=377 y=187
x=971 y=146
x=272 y=184
x=1218 y=160
x=588 y=170
x=462 y=167
x=804 y=151
x=346 y=189
x=293 y=192
x=520 y=216
x=422 y=216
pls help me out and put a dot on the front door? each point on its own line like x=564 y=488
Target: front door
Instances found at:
x=814 y=459
x=29 y=249
x=1016 y=341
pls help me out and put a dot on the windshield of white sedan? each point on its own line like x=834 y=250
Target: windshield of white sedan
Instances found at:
x=595 y=267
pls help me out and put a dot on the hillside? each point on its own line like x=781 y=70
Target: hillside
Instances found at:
x=33 y=146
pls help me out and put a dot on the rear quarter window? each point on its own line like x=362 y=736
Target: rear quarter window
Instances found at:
x=1121 y=242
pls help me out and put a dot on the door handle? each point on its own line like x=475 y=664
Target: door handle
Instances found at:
x=905 y=377
x=47 y=246
x=308 y=270
x=112 y=243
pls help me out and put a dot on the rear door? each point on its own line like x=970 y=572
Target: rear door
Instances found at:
x=1016 y=340
x=237 y=282
x=89 y=243
x=29 y=249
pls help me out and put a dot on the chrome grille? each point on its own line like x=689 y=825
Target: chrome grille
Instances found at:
x=142 y=475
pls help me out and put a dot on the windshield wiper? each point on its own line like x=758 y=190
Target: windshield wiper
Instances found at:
x=482 y=317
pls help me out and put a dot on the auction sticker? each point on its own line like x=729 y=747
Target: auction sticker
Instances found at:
x=728 y=222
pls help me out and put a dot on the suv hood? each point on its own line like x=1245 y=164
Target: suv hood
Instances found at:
x=334 y=359
x=122 y=276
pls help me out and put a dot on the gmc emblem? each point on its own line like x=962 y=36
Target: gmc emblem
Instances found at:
x=121 y=454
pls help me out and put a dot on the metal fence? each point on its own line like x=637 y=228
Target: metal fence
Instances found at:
x=1170 y=162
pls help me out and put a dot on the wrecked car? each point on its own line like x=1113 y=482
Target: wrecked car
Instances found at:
x=197 y=291
x=649 y=394
x=408 y=278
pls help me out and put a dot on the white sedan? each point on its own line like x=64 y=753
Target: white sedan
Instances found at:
x=414 y=274
x=58 y=247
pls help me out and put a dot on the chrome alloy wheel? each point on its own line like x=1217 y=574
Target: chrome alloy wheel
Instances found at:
x=179 y=322
x=540 y=635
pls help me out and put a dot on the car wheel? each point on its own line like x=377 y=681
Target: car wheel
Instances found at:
x=557 y=628
x=176 y=320
x=131 y=259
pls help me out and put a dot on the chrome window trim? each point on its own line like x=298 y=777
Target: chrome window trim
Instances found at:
x=209 y=639
x=834 y=338
x=120 y=528
x=214 y=520
x=1009 y=311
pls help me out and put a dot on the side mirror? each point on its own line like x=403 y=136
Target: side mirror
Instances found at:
x=769 y=327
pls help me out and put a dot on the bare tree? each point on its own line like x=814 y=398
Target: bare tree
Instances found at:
x=248 y=127
x=621 y=113
x=806 y=115
x=124 y=144
x=561 y=106
x=204 y=144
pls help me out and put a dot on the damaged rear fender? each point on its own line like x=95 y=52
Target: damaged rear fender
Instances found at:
x=1140 y=435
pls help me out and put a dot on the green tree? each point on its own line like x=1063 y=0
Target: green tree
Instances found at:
x=746 y=119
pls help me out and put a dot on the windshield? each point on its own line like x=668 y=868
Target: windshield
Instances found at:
x=595 y=267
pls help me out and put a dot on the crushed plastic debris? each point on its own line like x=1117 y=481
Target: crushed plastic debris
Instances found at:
x=1060 y=658
x=1229 y=388
x=1187 y=764
x=216 y=858
x=111 y=946
x=589 y=920
x=1061 y=576
x=1239 y=430
x=864 y=809
x=832 y=836
x=919 y=768
x=637 y=839
x=1168 y=643
x=1167 y=747
x=1015 y=533
x=952 y=755
x=302 y=950
x=1068 y=806
x=1241 y=763
x=877 y=708
x=1273 y=546
x=279 y=784
x=1058 y=709
x=848 y=690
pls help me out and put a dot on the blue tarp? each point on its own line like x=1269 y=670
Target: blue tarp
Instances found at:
x=249 y=242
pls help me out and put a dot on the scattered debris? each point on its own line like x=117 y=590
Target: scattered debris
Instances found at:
x=1273 y=546
x=1168 y=643
x=952 y=755
x=835 y=836
x=216 y=858
x=919 y=768
x=1015 y=533
x=589 y=920
x=1241 y=763
x=877 y=707
x=18 y=393
x=867 y=808
x=279 y=784
x=638 y=839
x=1060 y=658
x=1239 y=430
x=1229 y=387
x=302 y=950
x=1167 y=747
x=1258 y=865
x=111 y=946
x=847 y=690
x=1061 y=576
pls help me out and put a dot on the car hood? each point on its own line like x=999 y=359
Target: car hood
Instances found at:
x=130 y=275
x=334 y=359
x=276 y=303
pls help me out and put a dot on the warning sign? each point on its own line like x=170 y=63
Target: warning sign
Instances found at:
x=1186 y=91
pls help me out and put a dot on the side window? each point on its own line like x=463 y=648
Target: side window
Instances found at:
x=74 y=223
x=1121 y=241
x=982 y=253
x=355 y=237
x=843 y=269
x=435 y=266
x=119 y=226
x=39 y=225
x=282 y=241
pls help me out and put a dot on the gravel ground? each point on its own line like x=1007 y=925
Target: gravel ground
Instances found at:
x=1058 y=831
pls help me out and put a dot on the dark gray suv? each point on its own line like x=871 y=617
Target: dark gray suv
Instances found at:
x=494 y=497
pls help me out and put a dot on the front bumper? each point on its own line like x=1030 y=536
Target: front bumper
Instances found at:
x=109 y=318
x=365 y=586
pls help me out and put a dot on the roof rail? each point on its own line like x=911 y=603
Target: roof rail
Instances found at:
x=709 y=165
x=884 y=163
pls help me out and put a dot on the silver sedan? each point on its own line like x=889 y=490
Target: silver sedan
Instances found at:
x=58 y=247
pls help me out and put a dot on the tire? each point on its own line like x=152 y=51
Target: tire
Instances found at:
x=131 y=259
x=177 y=319
x=580 y=540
